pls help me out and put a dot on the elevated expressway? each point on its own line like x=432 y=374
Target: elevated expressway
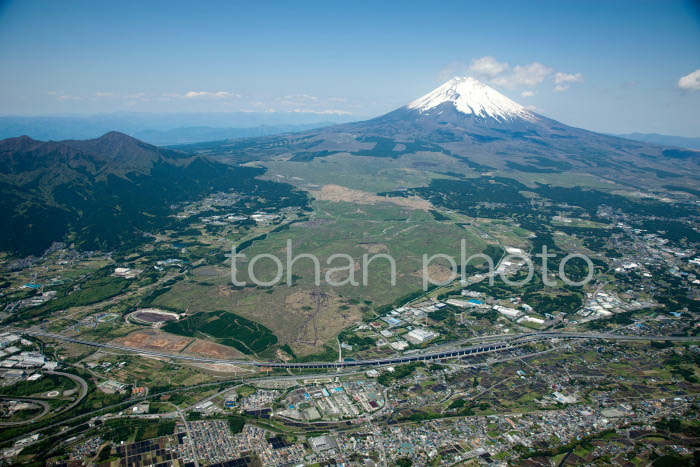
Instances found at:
x=503 y=342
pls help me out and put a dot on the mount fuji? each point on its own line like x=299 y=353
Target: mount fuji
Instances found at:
x=469 y=96
x=484 y=130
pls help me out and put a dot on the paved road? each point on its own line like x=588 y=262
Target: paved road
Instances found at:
x=75 y=378
x=105 y=410
x=505 y=343
x=44 y=406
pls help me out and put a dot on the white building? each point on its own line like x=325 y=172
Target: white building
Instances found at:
x=509 y=312
x=419 y=335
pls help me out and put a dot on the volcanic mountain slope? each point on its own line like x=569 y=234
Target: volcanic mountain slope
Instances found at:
x=104 y=192
x=485 y=130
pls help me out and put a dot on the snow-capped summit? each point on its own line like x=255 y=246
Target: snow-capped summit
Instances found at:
x=472 y=97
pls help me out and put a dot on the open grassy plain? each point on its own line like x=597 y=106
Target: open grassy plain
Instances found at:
x=334 y=227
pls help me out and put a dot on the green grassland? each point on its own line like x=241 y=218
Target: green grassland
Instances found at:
x=356 y=230
x=373 y=174
x=376 y=174
x=334 y=227
x=148 y=372
x=564 y=179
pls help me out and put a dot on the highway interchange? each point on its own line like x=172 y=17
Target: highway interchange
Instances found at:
x=499 y=343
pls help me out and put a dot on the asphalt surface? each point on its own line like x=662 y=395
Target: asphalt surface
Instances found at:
x=505 y=343
x=44 y=410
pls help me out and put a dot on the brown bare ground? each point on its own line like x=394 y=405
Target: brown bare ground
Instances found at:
x=154 y=340
x=212 y=349
x=374 y=248
x=301 y=309
x=224 y=291
x=225 y=368
x=436 y=273
x=340 y=193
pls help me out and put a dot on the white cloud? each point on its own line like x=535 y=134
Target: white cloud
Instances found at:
x=690 y=82
x=502 y=74
x=193 y=94
x=488 y=67
x=528 y=75
x=103 y=94
x=226 y=94
x=217 y=94
x=298 y=99
x=568 y=78
x=563 y=81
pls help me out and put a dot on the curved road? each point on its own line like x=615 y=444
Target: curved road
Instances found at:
x=44 y=406
x=80 y=382
x=506 y=342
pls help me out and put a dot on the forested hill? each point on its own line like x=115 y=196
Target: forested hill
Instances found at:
x=104 y=193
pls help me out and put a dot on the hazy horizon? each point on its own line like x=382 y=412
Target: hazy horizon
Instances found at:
x=600 y=66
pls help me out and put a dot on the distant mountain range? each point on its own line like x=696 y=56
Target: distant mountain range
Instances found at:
x=185 y=135
x=106 y=192
x=664 y=140
x=485 y=130
x=164 y=129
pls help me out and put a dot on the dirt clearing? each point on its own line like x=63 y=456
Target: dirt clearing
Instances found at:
x=154 y=340
x=340 y=193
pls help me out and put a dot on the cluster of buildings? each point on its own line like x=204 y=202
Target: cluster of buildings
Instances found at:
x=211 y=441
x=91 y=321
x=35 y=300
x=222 y=220
x=105 y=366
x=111 y=386
x=513 y=308
x=19 y=353
x=227 y=202
x=87 y=448
x=334 y=401
x=127 y=273
x=403 y=327
x=449 y=441
x=411 y=326
x=602 y=304
x=643 y=250
x=261 y=399
x=216 y=200
x=260 y=218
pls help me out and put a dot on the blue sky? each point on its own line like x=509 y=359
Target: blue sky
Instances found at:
x=609 y=66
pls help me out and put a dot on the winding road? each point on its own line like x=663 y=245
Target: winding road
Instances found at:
x=80 y=382
x=44 y=410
